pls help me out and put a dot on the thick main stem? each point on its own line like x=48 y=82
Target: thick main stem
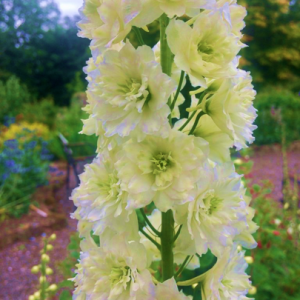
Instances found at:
x=167 y=227
x=167 y=239
x=166 y=56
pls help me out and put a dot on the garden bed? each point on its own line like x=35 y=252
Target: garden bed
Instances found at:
x=46 y=211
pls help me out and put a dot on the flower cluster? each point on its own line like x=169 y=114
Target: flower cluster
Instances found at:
x=162 y=189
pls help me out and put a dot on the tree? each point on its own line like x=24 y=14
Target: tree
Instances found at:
x=40 y=48
x=273 y=37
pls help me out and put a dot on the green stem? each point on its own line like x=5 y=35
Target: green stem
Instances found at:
x=149 y=223
x=182 y=266
x=166 y=56
x=150 y=238
x=138 y=36
x=177 y=233
x=201 y=113
x=167 y=239
x=167 y=228
x=192 y=114
x=178 y=90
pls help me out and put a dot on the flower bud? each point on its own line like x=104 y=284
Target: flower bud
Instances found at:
x=252 y=290
x=31 y=297
x=290 y=230
x=239 y=248
x=52 y=237
x=49 y=247
x=45 y=258
x=238 y=161
x=42 y=279
x=35 y=269
x=286 y=206
x=49 y=271
x=249 y=260
x=37 y=295
x=52 y=288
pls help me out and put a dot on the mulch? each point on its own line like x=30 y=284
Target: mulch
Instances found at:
x=16 y=260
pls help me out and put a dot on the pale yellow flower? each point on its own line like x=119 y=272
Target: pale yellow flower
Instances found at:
x=100 y=200
x=207 y=50
x=131 y=93
x=227 y=280
x=161 y=169
x=116 y=270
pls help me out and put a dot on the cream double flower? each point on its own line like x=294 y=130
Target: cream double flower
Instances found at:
x=227 y=280
x=206 y=50
x=230 y=107
x=116 y=270
x=162 y=170
x=131 y=93
x=108 y=22
x=219 y=211
x=100 y=199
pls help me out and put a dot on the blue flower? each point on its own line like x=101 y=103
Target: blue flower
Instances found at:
x=12 y=144
x=9 y=120
x=10 y=163
x=30 y=145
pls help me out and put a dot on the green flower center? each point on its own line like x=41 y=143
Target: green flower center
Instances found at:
x=133 y=91
x=206 y=50
x=228 y=283
x=120 y=275
x=111 y=186
x=211 y=203
x=161 y=162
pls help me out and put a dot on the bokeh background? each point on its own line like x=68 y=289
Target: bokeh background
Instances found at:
x=42 y=92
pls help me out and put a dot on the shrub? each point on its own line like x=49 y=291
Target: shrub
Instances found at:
x=43 y=111
x=269 y=129
x=12 y=97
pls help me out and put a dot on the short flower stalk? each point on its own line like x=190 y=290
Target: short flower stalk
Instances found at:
x=162 y=192
x=46 y=290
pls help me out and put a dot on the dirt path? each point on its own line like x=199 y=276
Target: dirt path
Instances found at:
x=268 y=165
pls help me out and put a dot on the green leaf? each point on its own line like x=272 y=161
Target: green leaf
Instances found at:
x=65 y=295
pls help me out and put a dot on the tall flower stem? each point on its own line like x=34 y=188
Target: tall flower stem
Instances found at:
x=167 y=228
x=166 y=56
x=167 y=240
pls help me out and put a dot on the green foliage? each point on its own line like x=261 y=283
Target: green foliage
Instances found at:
x=276 y=268
x=43 y=111
x=269 y=129
x=273 y=36
x=13 y=95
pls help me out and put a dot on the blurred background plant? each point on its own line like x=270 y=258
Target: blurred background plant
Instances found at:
x=276 y=268
x=24 y=164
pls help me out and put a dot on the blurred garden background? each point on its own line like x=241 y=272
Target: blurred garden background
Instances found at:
x=42 y=94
